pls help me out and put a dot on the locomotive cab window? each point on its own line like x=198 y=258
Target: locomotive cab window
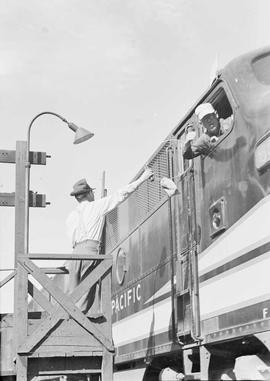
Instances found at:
x=220 y=106
x=223 y=110
x=213 y=121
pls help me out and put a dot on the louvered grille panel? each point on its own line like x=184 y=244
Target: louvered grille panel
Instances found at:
x=140 y=203
x=112 y=231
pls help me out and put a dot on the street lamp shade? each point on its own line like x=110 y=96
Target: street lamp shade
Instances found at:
x=81 y=134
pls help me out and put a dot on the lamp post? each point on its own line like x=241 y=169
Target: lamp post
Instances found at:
x=81 y=135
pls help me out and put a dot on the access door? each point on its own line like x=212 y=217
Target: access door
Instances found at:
x=187 y=238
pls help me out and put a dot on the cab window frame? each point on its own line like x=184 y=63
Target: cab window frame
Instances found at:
x=212 y=98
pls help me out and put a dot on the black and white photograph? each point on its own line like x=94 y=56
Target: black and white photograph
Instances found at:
x=135 y=190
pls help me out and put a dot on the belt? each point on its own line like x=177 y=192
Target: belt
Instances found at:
x=91 y=242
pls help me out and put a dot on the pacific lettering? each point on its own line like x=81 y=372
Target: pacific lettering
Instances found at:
x=126 y=299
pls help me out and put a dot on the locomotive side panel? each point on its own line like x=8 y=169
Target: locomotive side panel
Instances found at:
x=142 y=304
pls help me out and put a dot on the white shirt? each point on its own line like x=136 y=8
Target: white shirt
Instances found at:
x=86 y=221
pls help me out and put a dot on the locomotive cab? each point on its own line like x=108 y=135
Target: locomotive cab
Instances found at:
x=186 y=290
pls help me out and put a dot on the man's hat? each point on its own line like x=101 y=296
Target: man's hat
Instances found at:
x=204 y=109
x=80 y=187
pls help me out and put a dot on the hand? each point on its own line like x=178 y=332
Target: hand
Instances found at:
x=147 y=174
x=168 y=185
x=190 y=136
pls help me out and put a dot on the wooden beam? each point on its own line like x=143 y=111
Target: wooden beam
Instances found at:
x=20 y=286
x=55 y=270
x=40 y=298
x=70 y=341
x=47 y=270
x=94 y=257
x=43 y=329
x=7 y=278
x=107 y=358
x=77 y=371
x=9 y=156
x=85 y=285
x=66 y=302
x=58 y=352
x=7 y=373
x=36 y=200
x=107 y=365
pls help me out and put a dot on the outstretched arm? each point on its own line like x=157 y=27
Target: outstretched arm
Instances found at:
x=110 y=202
x=147 y=174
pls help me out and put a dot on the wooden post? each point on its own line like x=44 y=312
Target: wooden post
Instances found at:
x=101 y=248
x=107 y=359
x=105 y=289
x=21 y=279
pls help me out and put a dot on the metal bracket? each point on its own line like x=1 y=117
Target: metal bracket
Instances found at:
x=36 y=200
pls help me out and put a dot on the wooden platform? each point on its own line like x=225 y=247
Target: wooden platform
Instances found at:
x=60 y=340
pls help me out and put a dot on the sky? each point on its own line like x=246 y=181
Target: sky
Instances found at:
x=127 y=70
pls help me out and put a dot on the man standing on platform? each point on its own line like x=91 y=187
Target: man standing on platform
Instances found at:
x=84 y=226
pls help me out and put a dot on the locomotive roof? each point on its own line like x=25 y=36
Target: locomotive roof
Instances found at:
x=241 y=77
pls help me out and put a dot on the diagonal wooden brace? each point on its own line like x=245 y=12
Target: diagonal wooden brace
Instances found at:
x=66 y=303
x=8 y=278
x=96 y=274
x=41 y=299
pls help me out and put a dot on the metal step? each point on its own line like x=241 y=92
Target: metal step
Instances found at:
x=183 y=292
x=193 y=376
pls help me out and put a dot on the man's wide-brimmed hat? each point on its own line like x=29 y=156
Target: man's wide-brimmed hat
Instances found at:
x=81 y=187
x=204 y=109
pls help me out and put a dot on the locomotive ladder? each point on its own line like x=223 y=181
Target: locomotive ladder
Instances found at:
x=60 y=342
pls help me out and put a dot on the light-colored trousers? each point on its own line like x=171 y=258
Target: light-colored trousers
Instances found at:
x=78 y=270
